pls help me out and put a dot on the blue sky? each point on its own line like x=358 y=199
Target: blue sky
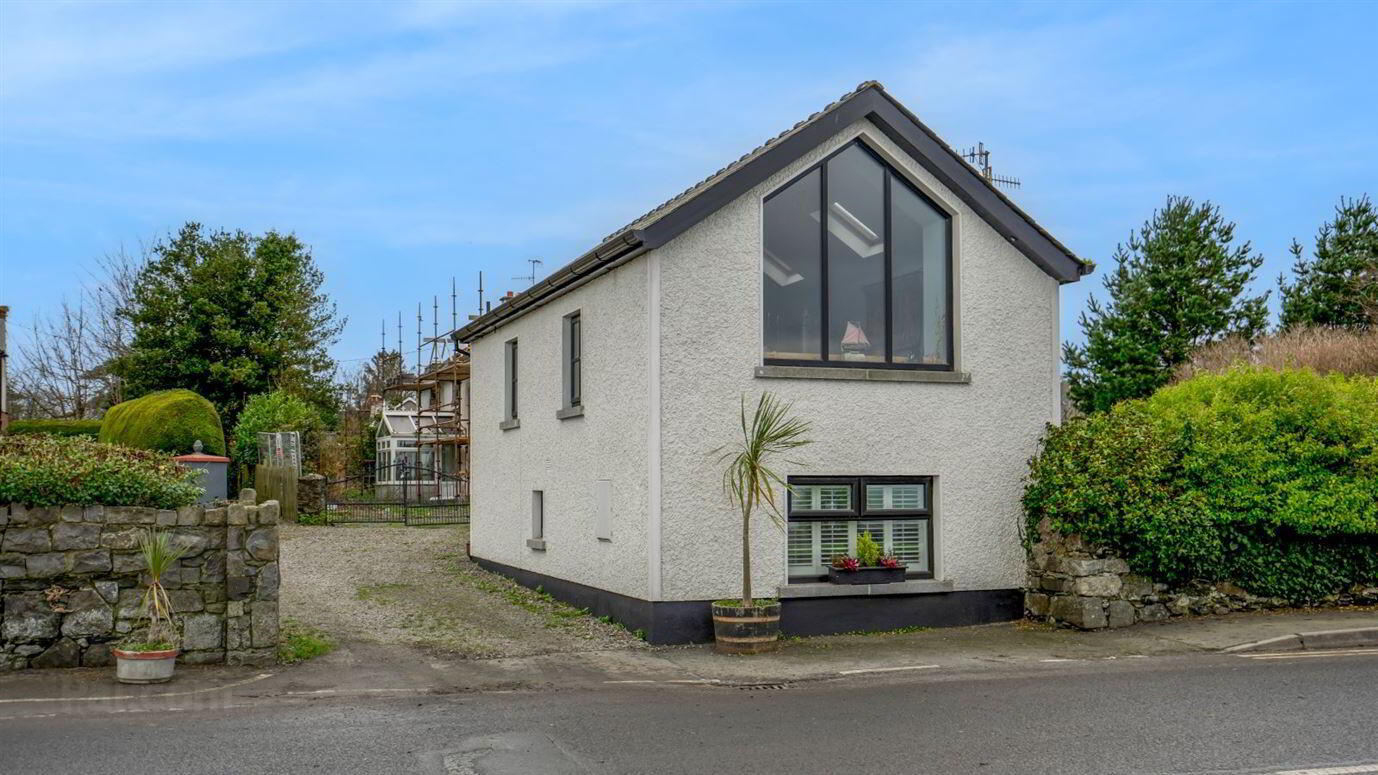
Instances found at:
x=409 y=142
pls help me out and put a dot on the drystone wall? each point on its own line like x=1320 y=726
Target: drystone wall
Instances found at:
x=1075 y=584
x=311 y=495
x=71 y=581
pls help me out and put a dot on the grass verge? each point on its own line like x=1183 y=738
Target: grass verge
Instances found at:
x=298 y=642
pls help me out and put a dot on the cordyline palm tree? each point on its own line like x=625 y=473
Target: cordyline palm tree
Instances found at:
x=160 y=554
x=749 y=480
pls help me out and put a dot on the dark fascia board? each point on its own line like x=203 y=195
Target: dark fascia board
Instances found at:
x=871 y=103
x=920 y=143
x=612 y=251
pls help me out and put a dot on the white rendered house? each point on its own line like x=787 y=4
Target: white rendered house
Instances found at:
x=855 y=266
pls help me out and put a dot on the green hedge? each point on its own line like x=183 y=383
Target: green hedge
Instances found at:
x=1267 y=479
x=42 y=470
x=275 y=411
x=169 y=420
x=88 y=428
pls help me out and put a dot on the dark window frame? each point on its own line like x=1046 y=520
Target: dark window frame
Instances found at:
x=924 y=511
x=859 y=512
x=574 y=359
x=850 y=481
x=889 y=174
x=513 y=409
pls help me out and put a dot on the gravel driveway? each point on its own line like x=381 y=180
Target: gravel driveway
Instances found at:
x=414 y=586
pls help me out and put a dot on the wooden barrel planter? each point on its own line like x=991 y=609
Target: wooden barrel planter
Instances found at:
x=738 y=630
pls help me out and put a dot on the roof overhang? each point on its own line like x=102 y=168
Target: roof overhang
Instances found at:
x=870 y=102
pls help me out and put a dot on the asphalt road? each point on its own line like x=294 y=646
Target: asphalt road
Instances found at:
x=1180 y=715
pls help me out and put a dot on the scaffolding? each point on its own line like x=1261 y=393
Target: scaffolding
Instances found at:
x=438 y=389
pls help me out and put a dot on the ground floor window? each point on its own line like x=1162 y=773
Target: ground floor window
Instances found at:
x=828 y=513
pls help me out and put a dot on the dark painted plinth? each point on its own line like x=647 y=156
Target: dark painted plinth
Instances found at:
x=691 y=621
x=831 y=615
x=665 y=622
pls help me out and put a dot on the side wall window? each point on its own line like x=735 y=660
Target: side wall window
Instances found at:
x=510 y=407
x=538 y=514
x=537 y=539
x=573 y=394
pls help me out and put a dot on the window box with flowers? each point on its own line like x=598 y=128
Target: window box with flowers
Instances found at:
x=871 y=565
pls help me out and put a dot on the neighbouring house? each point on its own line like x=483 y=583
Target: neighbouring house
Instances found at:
x=854 y=265
x=422 y=443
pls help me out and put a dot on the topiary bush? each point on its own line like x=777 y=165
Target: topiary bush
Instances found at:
x=1264 y=478
x=169 y=420
x=43 y=470
x=87 y=428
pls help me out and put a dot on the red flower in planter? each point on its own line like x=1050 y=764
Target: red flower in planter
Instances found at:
x=843 y=562
x=890 y=561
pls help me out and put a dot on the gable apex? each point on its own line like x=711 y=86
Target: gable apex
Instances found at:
x=868 y=101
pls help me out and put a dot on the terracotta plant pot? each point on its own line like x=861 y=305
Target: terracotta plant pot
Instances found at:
x=144 y=667
x=752 y=630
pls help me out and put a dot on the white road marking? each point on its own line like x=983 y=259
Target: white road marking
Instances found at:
x=1057 y=660
x=885 y=669
x=258 y=677
x=1358 y=769
x=1312 y=654
x=346 y=692
x=674 y=681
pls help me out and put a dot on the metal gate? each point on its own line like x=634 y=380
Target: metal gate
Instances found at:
x=411 y=495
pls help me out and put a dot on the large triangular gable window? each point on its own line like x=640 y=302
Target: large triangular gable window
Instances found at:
x=857 y=269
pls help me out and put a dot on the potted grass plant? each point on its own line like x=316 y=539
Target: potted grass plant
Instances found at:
x=751 y=625
x=149 y=655
x=871 y=565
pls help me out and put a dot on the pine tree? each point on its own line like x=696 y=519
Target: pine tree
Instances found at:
x=1337 y=286
x=1178 y=284
x=231 y=315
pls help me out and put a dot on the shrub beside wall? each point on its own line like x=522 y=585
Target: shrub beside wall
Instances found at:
x=1262 y=479
x=169 y=420
x=87 y=428
x=40 y=470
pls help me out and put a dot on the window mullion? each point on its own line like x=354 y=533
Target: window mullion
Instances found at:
x=889 y=274
x=820 y=563
x=823 y=256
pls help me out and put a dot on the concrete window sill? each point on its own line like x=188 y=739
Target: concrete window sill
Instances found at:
x=508 y=425
x=862 y=375
x=536 y=543
x=569 y=411
x=824 y=589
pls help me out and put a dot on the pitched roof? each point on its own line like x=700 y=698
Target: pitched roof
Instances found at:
x=870 y=101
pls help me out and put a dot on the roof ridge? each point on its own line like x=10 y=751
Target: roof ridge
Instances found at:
x=728 y=168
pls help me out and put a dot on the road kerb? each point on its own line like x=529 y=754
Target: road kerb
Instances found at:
x=1341 y=639
x=1309 y=641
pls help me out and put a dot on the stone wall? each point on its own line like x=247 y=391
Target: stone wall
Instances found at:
x=311 y=495
x=70 y=581
x=1076 y=584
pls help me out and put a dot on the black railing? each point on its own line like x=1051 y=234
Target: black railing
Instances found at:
x=410 y=494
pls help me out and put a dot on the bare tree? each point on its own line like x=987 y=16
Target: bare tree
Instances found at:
x=63 y=368
x=57 y=368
